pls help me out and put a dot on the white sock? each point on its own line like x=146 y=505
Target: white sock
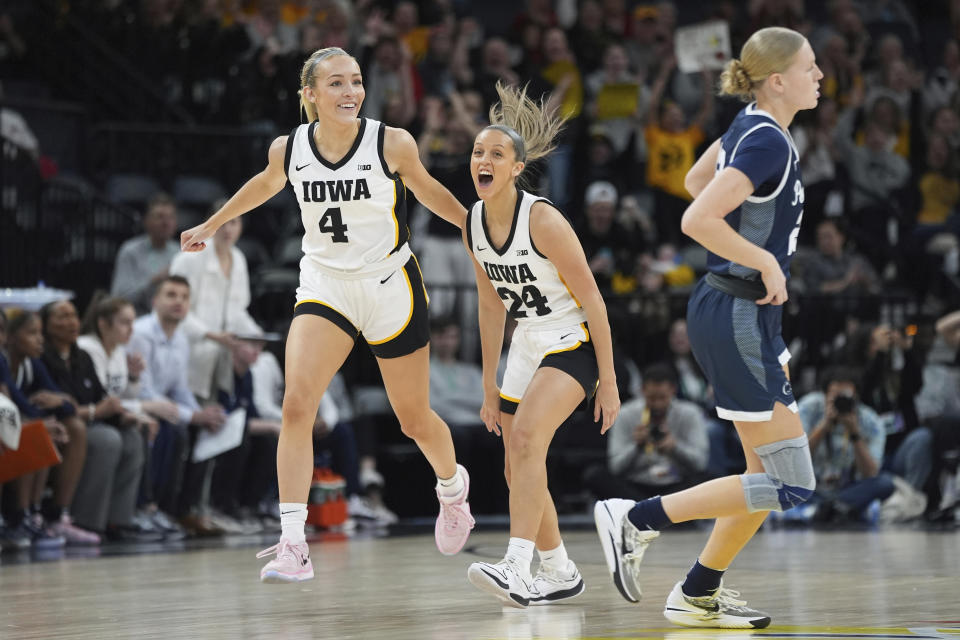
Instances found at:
x=521 y=551
x=555 y=559
x=451 y=487
x=293 y=515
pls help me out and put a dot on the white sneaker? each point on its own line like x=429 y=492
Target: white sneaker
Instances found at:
x=722 y=610
x=505 y=580
x=623 y=545
x=550 y=586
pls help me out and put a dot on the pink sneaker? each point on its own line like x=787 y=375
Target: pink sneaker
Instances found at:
x=454 y=522
x=73 y=534
x=292 y=563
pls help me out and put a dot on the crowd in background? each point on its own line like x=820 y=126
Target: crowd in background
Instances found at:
x=176 y=349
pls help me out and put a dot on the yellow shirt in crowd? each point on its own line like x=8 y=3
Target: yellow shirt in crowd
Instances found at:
x=939 y=195
x=669 y=156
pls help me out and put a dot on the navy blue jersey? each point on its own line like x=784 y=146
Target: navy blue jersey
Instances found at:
x=770 y=217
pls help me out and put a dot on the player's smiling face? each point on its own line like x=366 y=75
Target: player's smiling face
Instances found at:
x=802 y=79
x=493 y=163
x=337 y=89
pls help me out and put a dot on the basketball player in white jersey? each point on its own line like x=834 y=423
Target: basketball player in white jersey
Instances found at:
x=357 y=275
x=529 y=263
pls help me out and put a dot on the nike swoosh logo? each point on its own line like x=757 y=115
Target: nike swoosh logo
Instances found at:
x=712 y=609
x=502 y=583
x=283 y=513
x=566 y=336
x=479 y=248
x=387 y=278
x=303 y=165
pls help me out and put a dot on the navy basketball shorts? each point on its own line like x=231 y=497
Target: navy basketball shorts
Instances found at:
x=739 y=347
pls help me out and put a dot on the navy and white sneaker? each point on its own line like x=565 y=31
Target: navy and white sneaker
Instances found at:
x=505 y=580
x=623 y=545
x=722 y=610
x=551 y=586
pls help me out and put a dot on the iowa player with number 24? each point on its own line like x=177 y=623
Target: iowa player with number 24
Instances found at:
x=357 y=275
x=529 y=263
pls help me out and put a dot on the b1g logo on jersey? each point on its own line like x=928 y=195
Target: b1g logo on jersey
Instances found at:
x=335 y=190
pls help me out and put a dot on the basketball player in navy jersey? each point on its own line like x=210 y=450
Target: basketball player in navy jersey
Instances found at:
x=529 y=263
x=747 y=211
x=350 y=176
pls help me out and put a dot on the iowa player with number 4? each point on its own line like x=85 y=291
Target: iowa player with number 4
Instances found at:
x=747 y=210
x=357 y=275
x=530 y=264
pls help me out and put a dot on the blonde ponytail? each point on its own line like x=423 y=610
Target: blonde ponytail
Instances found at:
x=308 y=77
x=533 y=123
x=768 y=51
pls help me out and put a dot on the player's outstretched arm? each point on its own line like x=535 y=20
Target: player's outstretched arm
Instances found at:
x=400 y=152
x=251 y=195
x=555 y=238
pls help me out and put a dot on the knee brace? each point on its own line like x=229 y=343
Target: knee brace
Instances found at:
x=788 y=480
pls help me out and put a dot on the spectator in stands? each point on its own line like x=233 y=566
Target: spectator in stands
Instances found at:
x=566 y=94
x=939 y=186
x=588 y=37
x=671 y=150
x=617 y=98
x=876 y=174
x=243 y=477
x=219 y=297
x=144 y=261
x=943 y=82
x=22 y=536
x=389 y=81
x=841 y=71
x=108 y=328
x=846 y=442
x=38 y=397
x=938 y=403
x=658 y=444
x=159 y=339
x=691 y=383
x=834 y=270
x=609 y=247
x=813 y=135
x=106 y=495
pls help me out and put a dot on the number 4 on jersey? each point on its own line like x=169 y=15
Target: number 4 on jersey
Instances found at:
x=332 y=222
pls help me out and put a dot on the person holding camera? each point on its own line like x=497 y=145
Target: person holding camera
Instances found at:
x=846 y=441
x=657 y=445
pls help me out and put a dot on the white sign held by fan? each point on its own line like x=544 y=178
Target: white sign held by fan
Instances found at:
x=705 y=45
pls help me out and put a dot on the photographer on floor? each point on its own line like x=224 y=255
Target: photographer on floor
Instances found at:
x=846 y=441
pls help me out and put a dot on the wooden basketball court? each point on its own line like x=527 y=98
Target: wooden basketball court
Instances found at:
x=815 y=584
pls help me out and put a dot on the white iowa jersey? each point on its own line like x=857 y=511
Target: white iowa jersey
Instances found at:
x=529 y=285
x=354 y=211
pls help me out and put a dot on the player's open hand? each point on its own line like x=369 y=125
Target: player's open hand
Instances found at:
x=776 y=284
x=490 y=411
x=195 y=239
x=607 y=404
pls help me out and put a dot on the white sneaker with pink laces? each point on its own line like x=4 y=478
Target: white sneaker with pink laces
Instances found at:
x=73 y=534
x=454 y=522
x=292 y=563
